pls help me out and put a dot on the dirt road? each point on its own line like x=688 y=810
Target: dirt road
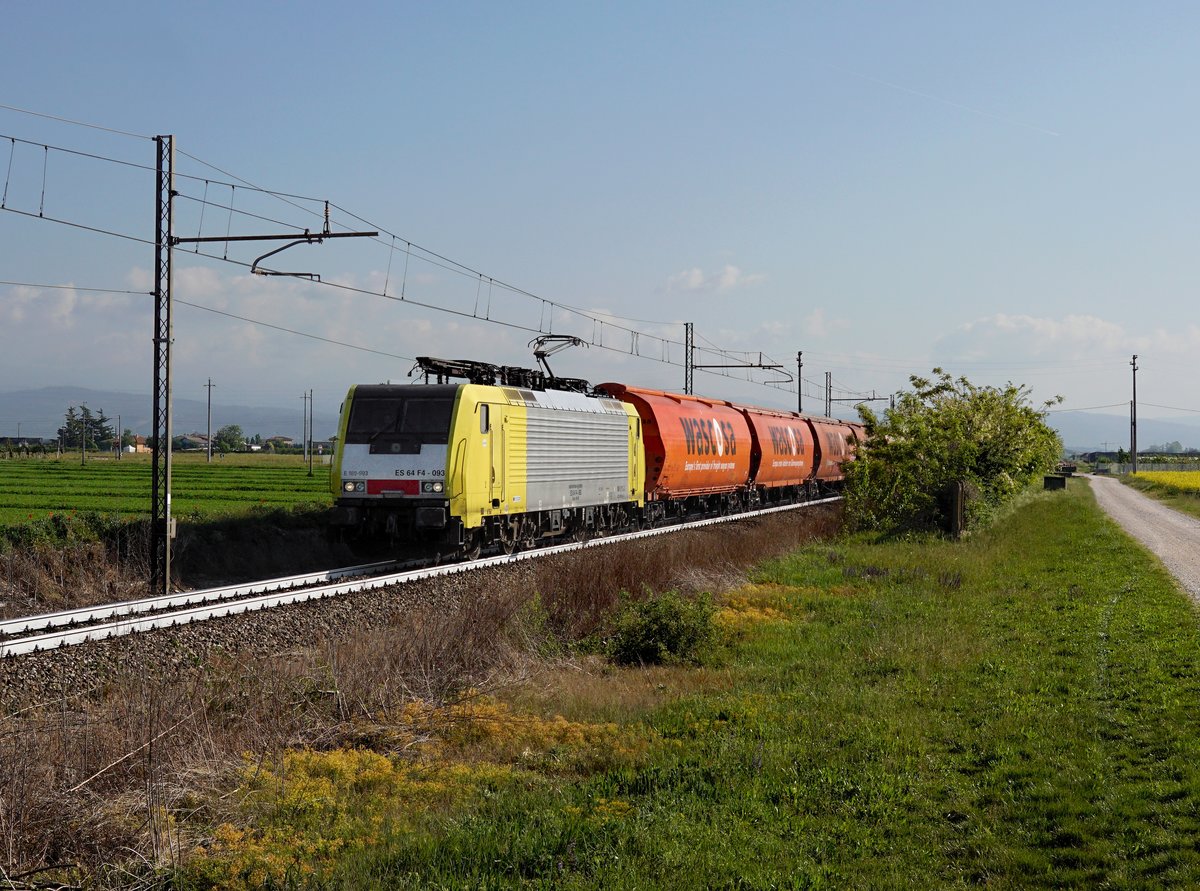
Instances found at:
x=1173 y=537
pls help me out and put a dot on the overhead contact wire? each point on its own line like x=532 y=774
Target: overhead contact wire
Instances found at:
x=95 y=229
x=328 y=340
x=61 y=120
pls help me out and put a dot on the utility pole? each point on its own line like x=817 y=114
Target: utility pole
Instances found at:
x=1133 y=417
x=829 y=394
x=304 y=426
x=311 y=436
x=120 y=437
x=82 y=438
x=689 y=357
x=209 y=386
x=800 y=381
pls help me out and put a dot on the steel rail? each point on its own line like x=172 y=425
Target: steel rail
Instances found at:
x=126 y=624
x=100 y=612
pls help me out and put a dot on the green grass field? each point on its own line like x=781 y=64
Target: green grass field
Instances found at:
x=1016 y=710
x=34 y=488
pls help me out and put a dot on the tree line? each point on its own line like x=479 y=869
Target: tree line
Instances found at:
x=93 y=430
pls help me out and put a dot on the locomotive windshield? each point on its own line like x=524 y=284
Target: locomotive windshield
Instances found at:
x=400 y=416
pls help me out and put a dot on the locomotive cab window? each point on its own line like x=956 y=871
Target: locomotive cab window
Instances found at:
x=484 y=423
x=394 y=419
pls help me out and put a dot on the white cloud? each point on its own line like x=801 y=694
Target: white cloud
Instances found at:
x=816 y=324
x=139 y=279
x=725 y=279
x=1082 y=357
x=1015 y=338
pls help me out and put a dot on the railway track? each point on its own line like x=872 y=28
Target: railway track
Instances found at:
x=33 y=634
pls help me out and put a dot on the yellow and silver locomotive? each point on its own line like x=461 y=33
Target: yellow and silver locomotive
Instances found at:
x=462 y=467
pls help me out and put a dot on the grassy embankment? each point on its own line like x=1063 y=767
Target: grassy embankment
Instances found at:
x=1179 y=489
x=1016 y=710
x=34 y=488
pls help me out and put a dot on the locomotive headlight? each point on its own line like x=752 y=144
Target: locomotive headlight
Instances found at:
x=349 y=487
x=360 y=487
x=437 y=487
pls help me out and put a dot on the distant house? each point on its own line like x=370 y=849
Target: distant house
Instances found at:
x=285 y=441
x=137 y=447
x=190 y=442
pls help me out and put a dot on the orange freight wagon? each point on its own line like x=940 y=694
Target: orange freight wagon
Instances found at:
x=783 y=449
x=836 y=442
x=694 y=446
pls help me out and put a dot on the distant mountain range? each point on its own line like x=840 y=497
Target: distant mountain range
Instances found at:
x=1089 y=432
x=40 y=413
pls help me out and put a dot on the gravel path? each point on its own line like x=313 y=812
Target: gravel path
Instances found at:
x=1171 y=536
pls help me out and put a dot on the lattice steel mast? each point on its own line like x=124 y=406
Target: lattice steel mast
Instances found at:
x=161 y=524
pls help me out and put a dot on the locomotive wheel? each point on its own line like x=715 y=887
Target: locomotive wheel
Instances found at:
x=472 y=547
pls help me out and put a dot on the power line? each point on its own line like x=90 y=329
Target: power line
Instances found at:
x=657 y=344
x=1054 y=411
x=62 y=120
x=204 y=202
x=76 y=152
x=470 y=272
x=95 y=229
x=246 y=184
x=1171 y=407
x=633 y=351
x=450 y=265
x=242 y=184
x=329 y=340
x=75 y=288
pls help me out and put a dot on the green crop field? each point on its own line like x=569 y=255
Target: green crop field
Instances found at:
x=35 y=488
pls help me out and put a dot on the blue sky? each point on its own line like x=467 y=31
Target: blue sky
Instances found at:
x=1004 y=190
